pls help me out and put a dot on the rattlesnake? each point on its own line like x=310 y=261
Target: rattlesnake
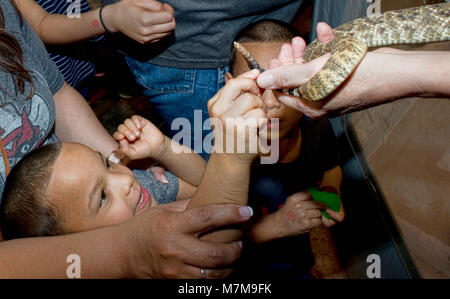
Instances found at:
x=430 y=23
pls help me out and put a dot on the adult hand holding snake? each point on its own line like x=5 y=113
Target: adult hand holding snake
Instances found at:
x=382 y=76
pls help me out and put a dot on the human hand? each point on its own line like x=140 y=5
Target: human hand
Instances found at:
x=298 y=215
x=164 y=241
x=329 y=196
x=335 y=217
x=362 y=89
x=234 y=110
x=138 y=138
x=160 y=174
x=145 y=21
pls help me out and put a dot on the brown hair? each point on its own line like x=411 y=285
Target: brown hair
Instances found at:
x=25 y=210
x=263 y=31
x=11 y=57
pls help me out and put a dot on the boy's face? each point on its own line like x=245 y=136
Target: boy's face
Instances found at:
x=90 y=193
x=264 y=52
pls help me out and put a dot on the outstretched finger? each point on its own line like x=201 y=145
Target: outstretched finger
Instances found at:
x=291 y=76
x=232 y=90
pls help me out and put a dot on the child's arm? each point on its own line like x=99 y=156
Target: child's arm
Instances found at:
x=331 y=182
x=299 y=215
x=139 y=139
x=236 y=116
x=141 y=20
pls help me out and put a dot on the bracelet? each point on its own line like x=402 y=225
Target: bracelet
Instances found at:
x=103 y=23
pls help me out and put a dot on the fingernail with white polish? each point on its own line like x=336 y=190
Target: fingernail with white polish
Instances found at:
x=246 y=211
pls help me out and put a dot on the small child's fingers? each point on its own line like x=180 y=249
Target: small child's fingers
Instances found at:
x=124 y=146
x=328 y=222
x=337 y=216
x=131 y=125
x=118 y=136
x=300 y=196
x=252 y=74
x=311 y=205
x=127 y=132
x=315 y=222
x=314 y=214
x=137 y=120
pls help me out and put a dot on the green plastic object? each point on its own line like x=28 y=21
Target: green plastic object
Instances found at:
x=332 y=200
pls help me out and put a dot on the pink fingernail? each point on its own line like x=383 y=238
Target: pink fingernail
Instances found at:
x=246 y=211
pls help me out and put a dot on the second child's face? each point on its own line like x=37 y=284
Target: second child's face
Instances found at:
x=264 y=53
x=90 y=193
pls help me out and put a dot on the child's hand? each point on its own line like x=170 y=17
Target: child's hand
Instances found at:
x=139 y=138
x=236 y=115
x=335 y=217
x=299 y=214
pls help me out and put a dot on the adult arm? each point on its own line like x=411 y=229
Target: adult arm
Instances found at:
x=142 y=20
x=76 y=122
x=384 y=75
x=160 y=243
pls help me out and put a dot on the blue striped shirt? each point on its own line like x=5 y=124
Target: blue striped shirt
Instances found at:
x=73 y=69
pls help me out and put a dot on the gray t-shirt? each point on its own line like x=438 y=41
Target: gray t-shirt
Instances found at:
x=162 y=193
x=26 y=124
x=206 y=28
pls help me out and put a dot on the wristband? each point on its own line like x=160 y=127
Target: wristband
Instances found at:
x=332 y=200
x=103 y=23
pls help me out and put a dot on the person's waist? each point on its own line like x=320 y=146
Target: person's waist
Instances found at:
x=189 y=63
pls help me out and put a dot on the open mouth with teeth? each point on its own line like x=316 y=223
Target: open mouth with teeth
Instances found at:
x=144 y=200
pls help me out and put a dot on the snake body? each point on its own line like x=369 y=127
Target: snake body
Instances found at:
x=430 y=23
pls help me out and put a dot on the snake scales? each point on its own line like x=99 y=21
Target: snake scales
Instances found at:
x=417 y=25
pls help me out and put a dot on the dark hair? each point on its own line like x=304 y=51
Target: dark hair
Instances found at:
x=24 y=210
x=11 y=57
x=263 y=31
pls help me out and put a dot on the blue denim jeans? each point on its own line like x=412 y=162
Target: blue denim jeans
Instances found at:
x=181 y=93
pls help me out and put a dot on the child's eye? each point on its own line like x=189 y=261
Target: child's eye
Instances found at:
x=103 y=199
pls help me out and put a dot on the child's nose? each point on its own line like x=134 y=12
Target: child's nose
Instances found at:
x=270 y=100
x=123 y=183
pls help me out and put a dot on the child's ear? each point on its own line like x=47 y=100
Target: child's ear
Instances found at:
x=228 y=76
